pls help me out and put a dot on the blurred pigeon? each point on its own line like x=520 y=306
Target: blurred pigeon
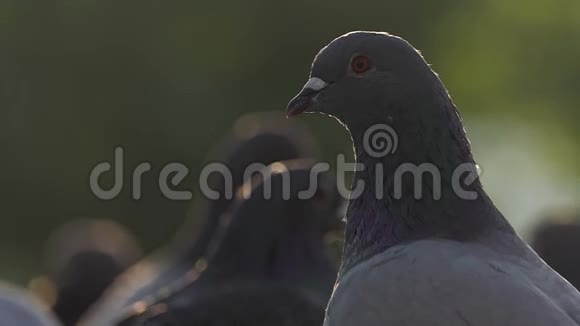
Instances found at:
x=557 y=241
x=20 y=308
x=269 y=265
x=83 y=258
x=258 y=138
x=433 y=252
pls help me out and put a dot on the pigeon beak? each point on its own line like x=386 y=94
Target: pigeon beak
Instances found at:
x=306 y=98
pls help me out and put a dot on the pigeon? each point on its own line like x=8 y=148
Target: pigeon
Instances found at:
x=420 y=251
x=557 y=241
x=268 y=266
x=83 y=258
x=17 y=307
x=257 y=138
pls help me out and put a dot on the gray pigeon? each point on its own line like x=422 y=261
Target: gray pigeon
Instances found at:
x=17 y=307
x=269 y=266
x=257 y=138
x=432 y=252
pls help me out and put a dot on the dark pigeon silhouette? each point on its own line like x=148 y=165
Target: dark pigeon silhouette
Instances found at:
x=83 y=258
x=557 y=241
x=432 y=252
x=258 y=138
x=269 y=266
x=17 y=307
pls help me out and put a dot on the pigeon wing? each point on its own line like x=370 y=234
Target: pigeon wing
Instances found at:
x=441 y=282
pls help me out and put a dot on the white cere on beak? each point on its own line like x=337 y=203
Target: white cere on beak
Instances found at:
x=315 y=84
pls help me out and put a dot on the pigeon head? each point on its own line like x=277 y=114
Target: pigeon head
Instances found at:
x=371 y=79
x=83 y=258
x=367 y=80
x=257 y=138
x=347 y=75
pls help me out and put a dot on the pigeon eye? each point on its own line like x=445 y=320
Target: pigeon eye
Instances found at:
x=360 y=64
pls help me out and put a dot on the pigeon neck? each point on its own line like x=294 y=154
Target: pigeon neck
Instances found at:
x=417 y=190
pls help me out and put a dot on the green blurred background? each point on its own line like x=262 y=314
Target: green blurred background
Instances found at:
x=166 y=79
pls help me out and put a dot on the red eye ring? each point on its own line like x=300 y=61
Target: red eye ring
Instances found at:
x=360 y=64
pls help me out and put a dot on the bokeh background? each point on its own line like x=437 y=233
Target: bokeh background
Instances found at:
x=166 y=79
